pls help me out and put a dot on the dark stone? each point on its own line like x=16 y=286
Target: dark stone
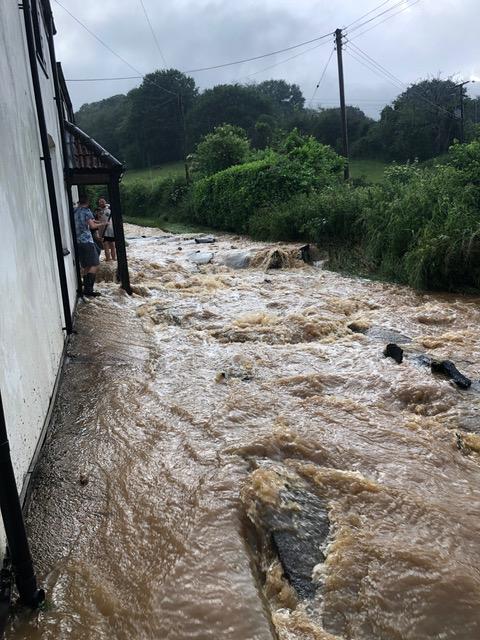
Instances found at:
x=205 y=240
x=392 y=350
x=305 y=254
x=448 y=369
x=296 y=529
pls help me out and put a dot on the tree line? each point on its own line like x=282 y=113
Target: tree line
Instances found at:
x=164 y=119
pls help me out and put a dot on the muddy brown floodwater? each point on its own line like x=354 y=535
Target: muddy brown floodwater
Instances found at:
x=233 y=457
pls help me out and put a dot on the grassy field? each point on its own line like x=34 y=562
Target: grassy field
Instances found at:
x=168 y=226
x=162 y=171
x=371 y=170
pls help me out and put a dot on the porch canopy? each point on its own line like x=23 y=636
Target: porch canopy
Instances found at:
x=88 y=163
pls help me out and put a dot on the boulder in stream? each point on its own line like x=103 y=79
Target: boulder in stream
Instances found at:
x=392 y=350
x=205 y=240
x=292 y=530
x=448 y=369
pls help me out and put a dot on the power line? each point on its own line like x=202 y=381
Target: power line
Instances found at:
x=103 y=79
x=377 y=64
x=277 y=64
x=94 y=35
x=405 y=86
x=265 y=55
x=104 y=44
x=367 y=61
x=357 y=35
x=154 y=36
x=323 y=74
x=368 y=13
x=378 y=15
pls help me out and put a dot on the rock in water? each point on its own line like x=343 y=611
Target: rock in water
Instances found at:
x=205 y=240
x=200 y=257
x=297 y=534
x=291 y=529
x=392 y=350
x=447 y=368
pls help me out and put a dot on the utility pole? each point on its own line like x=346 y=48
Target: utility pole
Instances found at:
x=460 y=86
x=181 y=109
x=339 y=44
x=462 y=116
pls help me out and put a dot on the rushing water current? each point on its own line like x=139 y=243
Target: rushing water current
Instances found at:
x=233 y=457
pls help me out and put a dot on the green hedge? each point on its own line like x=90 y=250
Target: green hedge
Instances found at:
x=153 y=198
x=228 y=199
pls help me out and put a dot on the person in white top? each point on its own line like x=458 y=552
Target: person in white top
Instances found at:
x=108 y=236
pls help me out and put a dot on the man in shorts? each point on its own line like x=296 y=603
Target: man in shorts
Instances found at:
x=88 y=252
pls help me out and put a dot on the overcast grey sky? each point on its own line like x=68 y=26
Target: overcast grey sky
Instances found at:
x=430 y=38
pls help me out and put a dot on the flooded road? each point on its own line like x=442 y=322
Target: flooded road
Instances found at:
x=232 y=456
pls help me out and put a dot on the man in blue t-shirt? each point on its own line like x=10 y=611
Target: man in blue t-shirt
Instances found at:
x=88 y=252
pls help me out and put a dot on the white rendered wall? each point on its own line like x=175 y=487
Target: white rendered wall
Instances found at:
x=31 y=316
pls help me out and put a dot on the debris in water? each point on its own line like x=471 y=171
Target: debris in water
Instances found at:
x=205 y=240
x=447 y=368
x=288 y=257
x=392 y=350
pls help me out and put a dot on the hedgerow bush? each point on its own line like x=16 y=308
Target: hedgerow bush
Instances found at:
x=228 y=199
x=143 y=199
x=422 y=226
x=326 y=216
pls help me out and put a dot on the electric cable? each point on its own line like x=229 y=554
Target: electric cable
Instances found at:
x=154 y=36
x=104 y=44
x=378 y=15
x=265 y=55
x=377 y=69
x=94 y=35
x=357 y=35
x=394 y=78
x=322 y=76
x=368 y=13
x=277 y=64
x=102 y=79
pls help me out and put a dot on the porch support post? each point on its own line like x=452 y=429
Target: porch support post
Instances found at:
x=122 y=262
x=11 y=509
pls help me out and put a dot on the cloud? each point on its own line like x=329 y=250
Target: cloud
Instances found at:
x=433 y=37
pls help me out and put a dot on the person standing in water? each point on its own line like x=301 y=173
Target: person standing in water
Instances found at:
x=88 y=251
x=108 y=236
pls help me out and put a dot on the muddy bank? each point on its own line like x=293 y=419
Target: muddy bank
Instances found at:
x=233 y=456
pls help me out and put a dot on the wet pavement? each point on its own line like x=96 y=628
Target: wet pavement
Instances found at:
x=232 y=456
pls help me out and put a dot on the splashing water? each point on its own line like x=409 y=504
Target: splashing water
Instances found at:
x=252 y=466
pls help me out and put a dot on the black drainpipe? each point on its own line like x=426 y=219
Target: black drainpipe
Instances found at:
x=61 y=118
x=11 y=509
x=48 y=165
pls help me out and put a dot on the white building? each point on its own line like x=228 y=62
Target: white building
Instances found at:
x=39 y=277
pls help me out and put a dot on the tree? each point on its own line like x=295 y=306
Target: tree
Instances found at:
x=102 y=120
x=327 y=126
x=226 y=104
x=153 y=130
x=285 y=97
x=224 y=147
x=422 y=122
